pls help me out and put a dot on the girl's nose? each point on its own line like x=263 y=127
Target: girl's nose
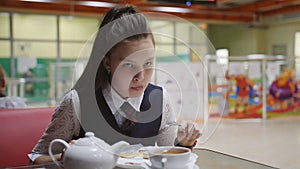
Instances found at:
x=139 y=76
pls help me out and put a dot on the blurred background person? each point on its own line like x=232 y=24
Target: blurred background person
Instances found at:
x=8 y=101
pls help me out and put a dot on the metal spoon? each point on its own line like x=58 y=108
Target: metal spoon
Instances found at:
x=168 y=125
x=173 y=123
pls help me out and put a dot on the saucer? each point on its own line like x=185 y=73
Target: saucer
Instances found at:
x=139 y=162
x=191 y=163
x=195 y=166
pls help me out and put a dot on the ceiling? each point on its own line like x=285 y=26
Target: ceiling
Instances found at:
x=245 y=11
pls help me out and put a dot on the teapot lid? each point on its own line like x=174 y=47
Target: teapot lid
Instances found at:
x=87 y=140
x=91 y=140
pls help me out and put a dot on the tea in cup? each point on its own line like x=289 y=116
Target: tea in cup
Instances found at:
x=170 y=157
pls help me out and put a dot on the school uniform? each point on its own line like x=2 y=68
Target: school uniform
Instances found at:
x=69 y=122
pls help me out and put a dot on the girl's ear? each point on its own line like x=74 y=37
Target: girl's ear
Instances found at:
x=106 y=63
x=2 y=83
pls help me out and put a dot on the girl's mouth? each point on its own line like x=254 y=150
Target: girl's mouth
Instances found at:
x=137 y=88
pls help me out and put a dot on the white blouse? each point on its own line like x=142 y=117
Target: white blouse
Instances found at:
x=12 y=102
x=65 y=124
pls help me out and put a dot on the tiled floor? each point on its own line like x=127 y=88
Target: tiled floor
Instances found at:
x=275 y=142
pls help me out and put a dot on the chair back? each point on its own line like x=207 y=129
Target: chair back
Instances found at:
x=20 y=129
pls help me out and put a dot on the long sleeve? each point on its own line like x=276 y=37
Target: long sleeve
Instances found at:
x=167 y=135
x=64 y=125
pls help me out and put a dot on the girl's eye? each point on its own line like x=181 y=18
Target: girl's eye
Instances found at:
x=127 y=65
x=148 y=64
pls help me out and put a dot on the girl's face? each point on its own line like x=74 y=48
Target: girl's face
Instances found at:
x=131 y=66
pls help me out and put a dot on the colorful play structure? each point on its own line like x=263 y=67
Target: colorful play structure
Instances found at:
x=282 y=97
x=256 y=97
x=244 y=87
x=283 y=89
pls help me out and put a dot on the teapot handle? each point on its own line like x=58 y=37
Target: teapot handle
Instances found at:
x=51 y=154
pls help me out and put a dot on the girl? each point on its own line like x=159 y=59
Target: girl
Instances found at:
x=128 y=107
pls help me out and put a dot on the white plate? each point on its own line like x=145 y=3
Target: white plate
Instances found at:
x=136 y=163
x=130 y=166
x=141 y=163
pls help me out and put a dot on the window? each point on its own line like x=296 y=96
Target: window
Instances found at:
x=4 y=35
x=297 y=44
x=222 y=55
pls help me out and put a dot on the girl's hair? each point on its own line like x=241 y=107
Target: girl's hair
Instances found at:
x=129 y=20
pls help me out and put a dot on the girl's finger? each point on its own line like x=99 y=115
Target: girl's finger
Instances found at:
x=192 y=127
x=72 y=141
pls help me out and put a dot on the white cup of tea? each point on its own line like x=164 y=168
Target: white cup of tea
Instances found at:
x=169 y=157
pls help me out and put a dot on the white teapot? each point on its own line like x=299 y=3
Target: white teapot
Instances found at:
x=89 y=152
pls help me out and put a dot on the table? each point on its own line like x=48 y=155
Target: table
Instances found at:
x=207 y=159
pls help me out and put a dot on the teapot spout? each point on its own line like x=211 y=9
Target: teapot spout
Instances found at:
x=123 y=147
x=119 y=147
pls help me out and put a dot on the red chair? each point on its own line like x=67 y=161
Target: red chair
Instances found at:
x=20 y=130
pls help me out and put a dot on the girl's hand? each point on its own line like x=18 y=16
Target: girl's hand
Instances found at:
x=188 y=133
